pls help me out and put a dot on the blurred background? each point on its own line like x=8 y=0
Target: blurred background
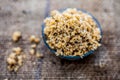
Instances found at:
x=27 y=16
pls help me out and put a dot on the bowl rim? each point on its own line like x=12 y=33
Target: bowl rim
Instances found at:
x=73 y=57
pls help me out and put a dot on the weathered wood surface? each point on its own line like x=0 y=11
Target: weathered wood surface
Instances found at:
x=27 y=16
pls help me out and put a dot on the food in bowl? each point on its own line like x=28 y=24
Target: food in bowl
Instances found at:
x=71 y=32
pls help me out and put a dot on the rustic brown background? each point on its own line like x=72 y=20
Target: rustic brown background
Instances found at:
x=27 y=16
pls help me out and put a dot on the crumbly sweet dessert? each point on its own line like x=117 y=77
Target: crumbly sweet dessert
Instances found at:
x=15 y=59
x=71 y=32
x=33 y=46
x=16 y=36
x=34 y=39
x=32 y=51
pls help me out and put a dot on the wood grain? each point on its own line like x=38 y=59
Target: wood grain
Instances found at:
x=27 y=17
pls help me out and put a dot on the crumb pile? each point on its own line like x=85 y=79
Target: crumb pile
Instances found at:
x=17 y=57
x=71 y=32
x=35 y=40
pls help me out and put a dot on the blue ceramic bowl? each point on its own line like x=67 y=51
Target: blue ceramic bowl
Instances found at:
x=72 y=57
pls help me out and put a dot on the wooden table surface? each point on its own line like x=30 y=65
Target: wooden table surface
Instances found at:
x=27 y=17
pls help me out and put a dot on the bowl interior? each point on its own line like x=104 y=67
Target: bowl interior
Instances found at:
x=73 y=57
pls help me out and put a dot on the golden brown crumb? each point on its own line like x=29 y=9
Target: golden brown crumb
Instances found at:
x=24 y=56
x=32 y=51
x=20 y=57
x=34 y=39
x=16 y=68
x=15 y=59
x=39 y=55
x=33 y=46
x=71 y=32
x=17 y=50
x=16 y=36
x=10 y=68
x=11 y=61
x=20 y=62
x=37 y=40
x=12 y=55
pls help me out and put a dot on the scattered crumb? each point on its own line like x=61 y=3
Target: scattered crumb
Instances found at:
x=16 y=68
x=24 y=56
x=37 y=40
x=10 y=68
x=16 y=36
x=11 y=61
x=33 y=46
x=15 y=59
x=17 y=50
x=32 y=51
x=34 y=39
x=12 y=55
x=20 y=62
x=20 y=57
x=39 y=55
